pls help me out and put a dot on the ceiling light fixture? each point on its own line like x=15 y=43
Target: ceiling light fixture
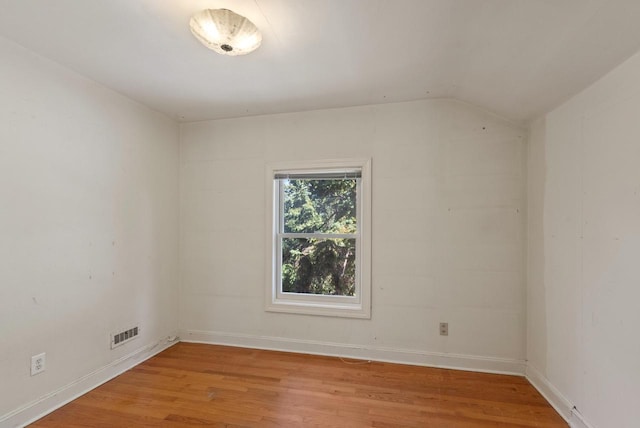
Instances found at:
x=225 y=32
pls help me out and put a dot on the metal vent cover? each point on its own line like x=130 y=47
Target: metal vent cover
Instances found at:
x=124 y=336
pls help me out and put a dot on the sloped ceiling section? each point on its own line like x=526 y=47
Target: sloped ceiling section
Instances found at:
x=517 y=58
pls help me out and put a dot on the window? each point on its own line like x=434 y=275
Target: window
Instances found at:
x=319 y=237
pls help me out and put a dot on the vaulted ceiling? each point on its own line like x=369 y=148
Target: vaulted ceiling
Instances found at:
x=517 y=58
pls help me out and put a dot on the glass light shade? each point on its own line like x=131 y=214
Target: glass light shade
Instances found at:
x=225 y=32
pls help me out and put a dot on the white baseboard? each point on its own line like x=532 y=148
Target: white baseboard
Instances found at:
x=391 y=355
x=46 y=404
x=578 y=421
x=549 y=392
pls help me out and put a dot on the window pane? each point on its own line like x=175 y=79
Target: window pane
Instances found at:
x=320 y=206
x=319 y=266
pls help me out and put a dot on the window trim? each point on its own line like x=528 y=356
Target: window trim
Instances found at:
x=335 y=306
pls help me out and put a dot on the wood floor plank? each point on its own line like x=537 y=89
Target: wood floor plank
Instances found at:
x=191 y=385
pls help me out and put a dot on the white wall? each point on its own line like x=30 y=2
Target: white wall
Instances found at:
x=88 y=228
x=448 y=232
x=584 y=277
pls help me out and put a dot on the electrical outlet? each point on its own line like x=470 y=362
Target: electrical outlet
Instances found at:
x=38 y=363
x=444 y=329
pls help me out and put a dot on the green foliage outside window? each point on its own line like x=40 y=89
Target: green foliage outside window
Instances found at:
x=319 y=265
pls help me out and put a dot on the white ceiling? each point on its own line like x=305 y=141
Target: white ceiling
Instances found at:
x=518 y=58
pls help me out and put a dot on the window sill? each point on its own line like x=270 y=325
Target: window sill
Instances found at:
x=345 y=310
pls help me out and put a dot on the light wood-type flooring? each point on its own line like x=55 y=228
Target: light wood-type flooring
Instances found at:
x=217 y=386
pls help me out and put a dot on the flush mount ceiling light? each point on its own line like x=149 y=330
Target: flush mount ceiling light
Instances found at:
x=225 y=32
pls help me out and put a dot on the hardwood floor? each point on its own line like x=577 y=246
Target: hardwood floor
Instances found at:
x=205 y=385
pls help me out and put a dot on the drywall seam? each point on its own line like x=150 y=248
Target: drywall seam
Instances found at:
x=580 y=256
x=392 y=355
x=525 y=236
x=46 y=404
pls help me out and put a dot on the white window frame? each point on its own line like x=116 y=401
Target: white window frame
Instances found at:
x=358 y=306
